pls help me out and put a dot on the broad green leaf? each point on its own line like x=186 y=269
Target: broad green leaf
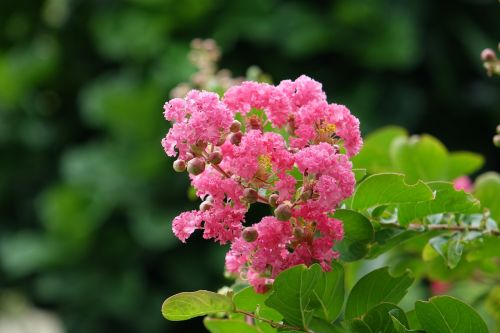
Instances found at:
x=449 y=248
x=188 y=305
x=487 y=190
x=463 y=163
x=321 y=326
x=485 y=247
x=379 y=318
x=359 y=326
x=374 y=288
x=375 y=153
x=300 y=292
x=359 y=174
x=420 y=158
x=400 y=328
x=386 y=239
x=229 y=326
x=447 y=200
x=247 y=299
x=445 y=314
x=329 y=293
x=358 y=233
x=388 y=188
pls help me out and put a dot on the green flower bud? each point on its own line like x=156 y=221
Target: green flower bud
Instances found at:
x=235 y=126
x=250 y=234
x=215 y=157
x=283 y=212
x=496 y=140
x=235 y=138
x=196 y=166
x=273 y=200
x=250 y=195
x=179 y=165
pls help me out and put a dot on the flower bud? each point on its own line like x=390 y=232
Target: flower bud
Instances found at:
x=235 y=138
x=298 y=233
x=250 y=234
x=198 y=148
x=250 y=195
x=189 y=156
x=215 y=157
x=205 y=205
x=305 y=193
x=196 y=166
x=496 y=140
x=235 y=126
x=498 y=129
x=283 y=212
x=179 y=165
x=254 y=122
x=488 y=55
x=273 y=200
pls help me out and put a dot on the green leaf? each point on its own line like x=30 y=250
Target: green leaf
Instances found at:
x=445 y=314
x=300 y=292
x=379 y=318
x=375 y=153
x=329 y=293
x=358 y=233
x=400 y=328
x=388 y=188
x=386 y=239
x=359 y=174
x=483 y=248
x=321 y=326
x=449 y=248
x=374 y=288
x=463 y=163
x=487 y=190
x=358 y=326
x=228 y=326
x=447 y=200
x=247 y=299
x=188 y=305
x=420 y=158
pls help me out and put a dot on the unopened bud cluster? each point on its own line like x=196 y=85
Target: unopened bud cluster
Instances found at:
x=490 y=61
x=236 y=155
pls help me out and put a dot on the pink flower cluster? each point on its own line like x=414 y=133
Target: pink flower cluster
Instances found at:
x=284 y=146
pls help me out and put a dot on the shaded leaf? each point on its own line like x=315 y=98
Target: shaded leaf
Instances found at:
x=228 y=326
x=358 y=233
x=374 y=288
x=379 y=318
x=388 y=238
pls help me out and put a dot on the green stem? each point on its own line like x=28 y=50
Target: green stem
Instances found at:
x=270 y=322
x=443 y=227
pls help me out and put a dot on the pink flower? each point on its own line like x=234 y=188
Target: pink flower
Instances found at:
x=289 y=148
x=463 y=183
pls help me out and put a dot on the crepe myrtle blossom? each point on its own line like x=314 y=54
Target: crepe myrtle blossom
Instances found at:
x=284 y=146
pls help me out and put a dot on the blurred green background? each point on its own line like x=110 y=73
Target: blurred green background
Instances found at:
x=87 y=194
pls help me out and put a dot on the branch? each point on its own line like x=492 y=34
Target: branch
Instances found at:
x=272 y=323
x=443 y=227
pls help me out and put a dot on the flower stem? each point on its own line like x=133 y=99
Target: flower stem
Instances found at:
x=272 y=323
